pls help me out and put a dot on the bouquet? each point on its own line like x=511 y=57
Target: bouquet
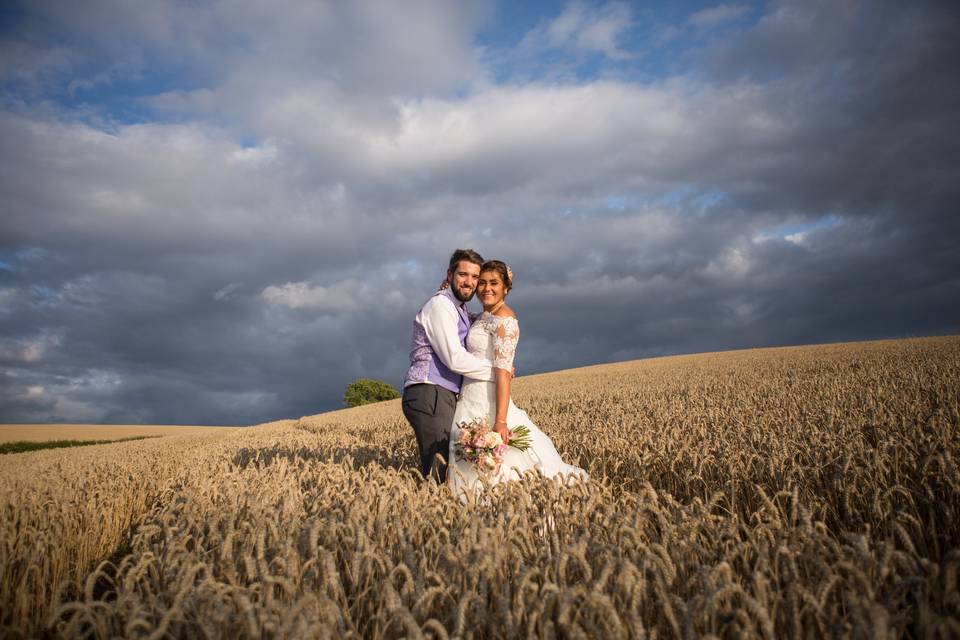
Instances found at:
x=483 y=447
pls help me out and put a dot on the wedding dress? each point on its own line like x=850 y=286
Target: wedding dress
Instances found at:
x=495 y=338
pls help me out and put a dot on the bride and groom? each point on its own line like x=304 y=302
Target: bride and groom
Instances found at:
x=461 y=369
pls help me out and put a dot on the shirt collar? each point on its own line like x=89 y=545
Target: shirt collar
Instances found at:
x=449 y=293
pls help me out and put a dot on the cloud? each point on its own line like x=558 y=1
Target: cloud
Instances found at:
x=264 y=230
x=717 y=15
x=595 y=30
x=338 y=298
x=227 y=292
x=211 y=42
x=27 y=350
x=584 y=28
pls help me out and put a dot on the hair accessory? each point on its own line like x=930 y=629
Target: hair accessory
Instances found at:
x=509 y=273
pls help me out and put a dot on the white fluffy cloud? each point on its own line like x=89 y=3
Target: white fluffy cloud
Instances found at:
x=337 y=298
x=591 y=29
x=716 y=15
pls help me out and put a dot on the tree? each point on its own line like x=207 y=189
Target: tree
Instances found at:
x=365 y=391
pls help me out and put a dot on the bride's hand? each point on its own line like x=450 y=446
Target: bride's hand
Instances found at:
x=501 y=428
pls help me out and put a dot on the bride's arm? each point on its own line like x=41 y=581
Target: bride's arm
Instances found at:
x=503 y=403
x=505 y=339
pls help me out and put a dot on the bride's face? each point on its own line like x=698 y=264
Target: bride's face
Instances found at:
x=490 y=289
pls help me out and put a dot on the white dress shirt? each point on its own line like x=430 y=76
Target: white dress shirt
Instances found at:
x=441 y=322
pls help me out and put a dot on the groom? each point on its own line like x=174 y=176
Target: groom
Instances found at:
x=439 y=360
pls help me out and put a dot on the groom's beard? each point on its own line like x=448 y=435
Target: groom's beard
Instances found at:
x=460 y=296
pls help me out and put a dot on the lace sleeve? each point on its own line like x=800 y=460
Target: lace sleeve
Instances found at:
x=506 y=334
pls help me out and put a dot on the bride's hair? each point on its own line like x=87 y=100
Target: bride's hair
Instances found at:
x=502 y=269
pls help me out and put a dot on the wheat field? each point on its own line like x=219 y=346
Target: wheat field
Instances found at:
x=46 y=432
x=792 y=492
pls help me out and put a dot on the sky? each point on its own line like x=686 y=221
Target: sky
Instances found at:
x=224 y=212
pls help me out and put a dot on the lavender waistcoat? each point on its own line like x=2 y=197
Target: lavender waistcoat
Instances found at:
x=425 y=366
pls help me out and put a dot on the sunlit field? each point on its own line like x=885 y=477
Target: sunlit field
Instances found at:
x=44 y=432
x=776 y=493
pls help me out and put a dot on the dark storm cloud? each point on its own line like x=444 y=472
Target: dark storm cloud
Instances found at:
x=873 y=93
x=797 y=185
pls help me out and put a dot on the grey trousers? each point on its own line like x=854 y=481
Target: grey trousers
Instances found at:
x=429 y=409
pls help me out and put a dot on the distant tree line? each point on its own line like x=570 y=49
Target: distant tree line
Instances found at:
x=364 y=391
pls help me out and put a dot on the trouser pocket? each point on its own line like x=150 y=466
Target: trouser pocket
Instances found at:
x=421 y=398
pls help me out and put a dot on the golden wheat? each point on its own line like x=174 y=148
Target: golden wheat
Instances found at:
x=45 y=432
x=772 y=493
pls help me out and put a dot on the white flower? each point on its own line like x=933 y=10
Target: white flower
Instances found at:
x=492 y=439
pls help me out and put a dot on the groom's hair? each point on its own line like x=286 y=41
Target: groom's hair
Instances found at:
x=464 y=254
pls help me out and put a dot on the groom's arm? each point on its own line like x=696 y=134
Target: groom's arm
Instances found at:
x=441 y=322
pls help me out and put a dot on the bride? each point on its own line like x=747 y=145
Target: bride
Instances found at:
x=494 y=336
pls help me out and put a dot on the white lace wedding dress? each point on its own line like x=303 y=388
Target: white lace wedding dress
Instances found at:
x=495 y=338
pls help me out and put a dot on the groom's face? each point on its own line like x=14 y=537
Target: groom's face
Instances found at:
x=463 y=280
